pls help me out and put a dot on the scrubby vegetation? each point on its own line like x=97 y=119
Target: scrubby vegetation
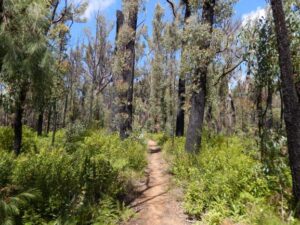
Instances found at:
x=83 y=179
x=228 y=182
x=78 y=100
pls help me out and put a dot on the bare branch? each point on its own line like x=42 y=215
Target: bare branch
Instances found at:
x=172 y=7
x=225 y=73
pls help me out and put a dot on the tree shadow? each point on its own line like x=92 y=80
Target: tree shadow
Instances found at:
x=149 y=199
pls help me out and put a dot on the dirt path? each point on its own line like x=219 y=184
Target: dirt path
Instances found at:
x=157 y=203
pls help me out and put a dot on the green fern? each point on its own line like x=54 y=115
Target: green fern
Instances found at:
x=12 y=205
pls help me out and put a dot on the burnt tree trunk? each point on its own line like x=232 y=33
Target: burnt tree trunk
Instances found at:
x=261 y=120
x=198 y=100
x=269 y=116
x=91 y=113
x=290 y=97
x=223 y=122
x=54 y=123
x=1 y=11
x=49 y=119
x=181 y=111
x=233 y=113
x=18 y=120
x=1 y=21
x=281 y=109
x=65 y=110
x=39 y=125
x=114 y=94
x=125 y=93
x=181 y=85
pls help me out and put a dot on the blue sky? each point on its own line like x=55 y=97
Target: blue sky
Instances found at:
x=243 y=9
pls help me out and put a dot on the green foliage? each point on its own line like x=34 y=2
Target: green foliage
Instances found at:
x=52 y=173
x=227 y=181
x=29 y=139
x=6 y=166
x=123 y=155
x=110 y=212
x=160 y=138
x=74 y=185
x=6 y=138
x=74 y=134
x=11 y=206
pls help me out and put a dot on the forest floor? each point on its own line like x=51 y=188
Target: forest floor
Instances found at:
x=157 y=203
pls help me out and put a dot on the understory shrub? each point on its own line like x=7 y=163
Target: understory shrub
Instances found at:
x=160 y=138
x=78 y=185
x=6 y=166
x=6 y=138
x=226 y=180
x=29 y=139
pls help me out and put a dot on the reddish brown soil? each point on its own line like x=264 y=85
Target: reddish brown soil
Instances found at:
x=157 y=204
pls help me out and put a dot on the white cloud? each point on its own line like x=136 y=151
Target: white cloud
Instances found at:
x=254 y=15
x=95 y=6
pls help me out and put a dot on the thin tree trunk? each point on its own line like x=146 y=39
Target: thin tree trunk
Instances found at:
x=233 y=113
x=91 y=115
x=261 y=122
x=181 y=85
x=54 y=123
x=49 y=119
x=224 y=108
x=40 y=121
x=281 y=109
x=1 y=21
x=290 y=97
x=269 y=109
x=198 y=101
x=181 y=111
x=18 y=120
x=65 y=110
x=1 y=11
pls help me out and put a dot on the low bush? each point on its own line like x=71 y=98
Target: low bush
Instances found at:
x=227 y=181
x=123 y=155
x=78 y=185
x=160 y=138
x=6 y=166
x=29 y=141
x=6 y=138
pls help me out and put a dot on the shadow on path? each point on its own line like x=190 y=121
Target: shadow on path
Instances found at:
x=155 y=204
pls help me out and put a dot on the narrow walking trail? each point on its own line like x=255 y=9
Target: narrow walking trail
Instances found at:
x=157 y=203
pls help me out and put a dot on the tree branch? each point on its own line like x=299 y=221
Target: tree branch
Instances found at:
x=228 y=71
x=172 y=7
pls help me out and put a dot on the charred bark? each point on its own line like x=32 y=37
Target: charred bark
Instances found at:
x=40 y=121
x=125 y=108
x=233 y=113
x=181 y=84
x=2 y=50
x=65 y=110
x=54 y=123
x=261 y=121
x=198 y=100
x=1 y=11
x=290 y=97
x=180 y=111
x=114 y=94
x=49 y=119
x=18 y=120
x=269 y=116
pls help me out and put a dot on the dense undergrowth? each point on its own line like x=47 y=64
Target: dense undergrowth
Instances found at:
x=227 y=183
x=82 y=179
